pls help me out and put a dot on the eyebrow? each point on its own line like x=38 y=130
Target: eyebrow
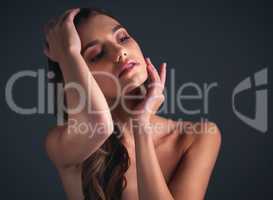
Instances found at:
x=94 y=42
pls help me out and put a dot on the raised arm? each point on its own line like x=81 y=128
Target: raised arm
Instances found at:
x=65 y=145
x=191 y=176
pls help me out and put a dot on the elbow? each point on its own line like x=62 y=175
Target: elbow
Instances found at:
x=105 y=126
x=215 y=130
x=107 y=121
x=100 y=124
x=213 y=136
x=109 y=128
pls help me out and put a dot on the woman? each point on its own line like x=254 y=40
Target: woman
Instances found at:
x=91 y=48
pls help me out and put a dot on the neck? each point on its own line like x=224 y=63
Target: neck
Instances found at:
x=122 y=113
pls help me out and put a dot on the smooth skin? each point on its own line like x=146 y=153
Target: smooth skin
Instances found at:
x=167 y=163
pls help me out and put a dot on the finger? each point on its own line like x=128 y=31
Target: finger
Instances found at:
x=66 y=13
x=163 y=73
x=46 y=51
x=152 y=70
x=49 y=25
x=46 y=48
x=46 y=45
x=153 y=102
x=155 y=86
x=71 y=14
x=64 y=16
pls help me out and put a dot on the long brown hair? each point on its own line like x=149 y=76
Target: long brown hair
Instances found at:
x=103 y=172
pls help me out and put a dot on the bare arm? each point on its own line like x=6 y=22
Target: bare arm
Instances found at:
x=64 y=144
x=151 y=182
x=192 y=175
x=191 y=178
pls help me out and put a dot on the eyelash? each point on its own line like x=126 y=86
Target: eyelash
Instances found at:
x=125 y=38
x=98 y=56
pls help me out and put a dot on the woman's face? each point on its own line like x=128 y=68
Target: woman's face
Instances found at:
x=106 y=46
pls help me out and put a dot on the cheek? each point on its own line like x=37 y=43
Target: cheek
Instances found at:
x=137 y=53
x=101 y=69
x=136 y=47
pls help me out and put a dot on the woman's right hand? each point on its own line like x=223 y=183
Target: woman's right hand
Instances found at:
x=62 y=37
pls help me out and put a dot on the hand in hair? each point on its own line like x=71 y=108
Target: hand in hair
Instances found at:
x=61 y=36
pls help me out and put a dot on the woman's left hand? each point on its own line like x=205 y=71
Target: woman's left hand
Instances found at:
x=153 y=99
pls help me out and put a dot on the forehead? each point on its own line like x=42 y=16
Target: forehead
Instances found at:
x=96 y=27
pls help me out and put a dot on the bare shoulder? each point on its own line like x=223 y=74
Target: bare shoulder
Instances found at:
x=193 y=132
x=51 y=142
x=53 y=147
x=52 y=137
x=186 y=133
x=182 y=134
x=70 y=176
x=200 y=142
x=53 y=134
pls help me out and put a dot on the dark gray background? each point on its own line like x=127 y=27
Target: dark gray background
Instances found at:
x=205 y=41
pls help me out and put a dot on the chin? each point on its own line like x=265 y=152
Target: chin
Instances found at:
x=134 y=84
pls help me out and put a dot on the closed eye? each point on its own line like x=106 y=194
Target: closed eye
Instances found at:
x=125 y=38
x=101 y=54
x=97 y=57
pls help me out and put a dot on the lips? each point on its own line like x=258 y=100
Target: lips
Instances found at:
x=127 y=65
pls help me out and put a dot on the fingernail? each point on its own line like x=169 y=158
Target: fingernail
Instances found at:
x=149 y=60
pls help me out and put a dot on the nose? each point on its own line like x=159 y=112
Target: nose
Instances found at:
x=121 y=54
